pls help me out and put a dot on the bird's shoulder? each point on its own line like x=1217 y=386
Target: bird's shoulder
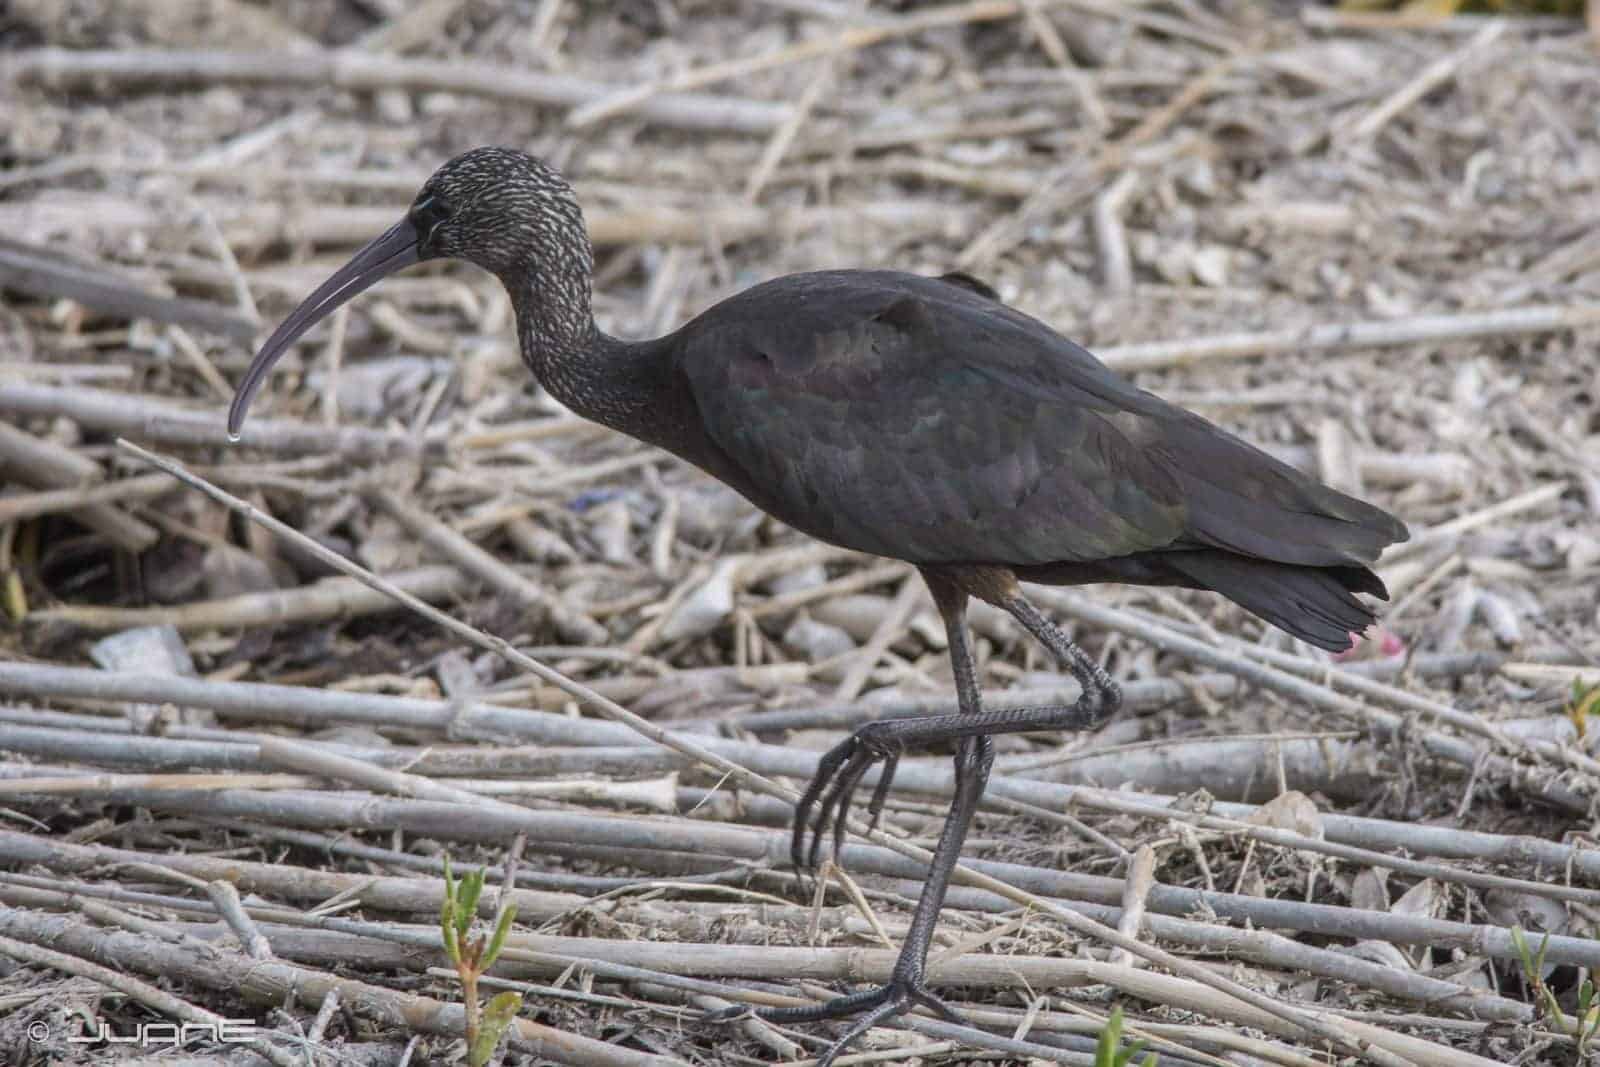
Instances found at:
x=921 y=418
x=855 y=330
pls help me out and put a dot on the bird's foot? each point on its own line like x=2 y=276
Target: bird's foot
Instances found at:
x=841 y=769
x=876 y=1005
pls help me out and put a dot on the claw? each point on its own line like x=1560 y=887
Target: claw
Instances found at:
x=829 y=803
x=891 y=763
x=834 y=797
x=836 y=806
x=829 y=763
x=831 y=789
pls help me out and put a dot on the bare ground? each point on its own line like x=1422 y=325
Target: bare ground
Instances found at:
x=1364 y=243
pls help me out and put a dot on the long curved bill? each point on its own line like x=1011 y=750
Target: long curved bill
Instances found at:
x=394 y=250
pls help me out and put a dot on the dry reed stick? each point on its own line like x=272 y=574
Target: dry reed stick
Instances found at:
x=55 y=68
x=1412 y=330
x=330 y=598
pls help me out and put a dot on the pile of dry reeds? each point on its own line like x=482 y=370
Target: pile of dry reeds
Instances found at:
x=231 y=774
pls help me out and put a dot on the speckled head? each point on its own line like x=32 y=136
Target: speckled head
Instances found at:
x=502 y=210
x=498 y=208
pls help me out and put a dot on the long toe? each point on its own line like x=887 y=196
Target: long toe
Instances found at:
x=837 y=1008
x=887 y=1010
x=940 y=1007
x=870 y=1007
x=732 y=1013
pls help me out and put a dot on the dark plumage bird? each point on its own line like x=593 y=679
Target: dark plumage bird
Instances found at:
x=915 y=418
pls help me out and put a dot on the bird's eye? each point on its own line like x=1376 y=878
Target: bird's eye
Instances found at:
x=427 y=214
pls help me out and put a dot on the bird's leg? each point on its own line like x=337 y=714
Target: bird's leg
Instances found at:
x=974 y=756
x=844 y=766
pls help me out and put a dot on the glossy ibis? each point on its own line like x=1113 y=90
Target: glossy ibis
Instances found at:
x=915 y=418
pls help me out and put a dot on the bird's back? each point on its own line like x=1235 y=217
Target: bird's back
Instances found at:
x=921 y=419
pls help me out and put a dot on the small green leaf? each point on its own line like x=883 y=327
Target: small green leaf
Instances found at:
x=467 y=900
x=471 y=887
x=447 y=931
x=1553 y=1008
x=1588 y=1021
x=1538 y=961
x=502 y=928
x=1108 y=1051
x=447 y=916
x=1583 y=702
x=1519 y=941
x=1105 y=1050
x=497 y=1017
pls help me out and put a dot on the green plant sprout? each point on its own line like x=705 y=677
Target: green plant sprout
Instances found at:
x=1107 y=1054
x=1583 y=1027
x=1584 y=702
x=473 y=956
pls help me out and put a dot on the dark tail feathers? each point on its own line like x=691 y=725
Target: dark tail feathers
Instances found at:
x=1244 y=501
x=1315 y=604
